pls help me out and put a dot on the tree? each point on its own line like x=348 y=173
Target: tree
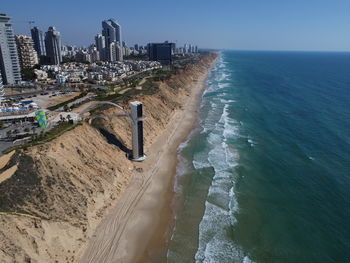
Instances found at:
x=51 y=74
x=8 y=133
x=28 y=74
x=69 y=117
x=26 y=129
x=15 y=131
x=65 y=108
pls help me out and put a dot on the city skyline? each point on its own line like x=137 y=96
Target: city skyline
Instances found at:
x=268 y=25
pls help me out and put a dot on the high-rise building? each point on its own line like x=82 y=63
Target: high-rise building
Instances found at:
x=111 y=30
x=95 y=55
x=160 y=52
x=2 y=90
x=53 y=46
x=26 y=52
x=186 y=48
x=115 y=52
x=126 y=51
x=38 y=37
x=9 y=64
x=101 y=46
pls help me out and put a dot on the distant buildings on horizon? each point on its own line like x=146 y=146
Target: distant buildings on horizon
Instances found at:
x=24 y=52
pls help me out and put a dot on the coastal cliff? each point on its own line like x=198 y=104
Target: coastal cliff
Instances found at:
x=58 y=192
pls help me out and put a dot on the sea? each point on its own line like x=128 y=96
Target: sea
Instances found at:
x=265 y=177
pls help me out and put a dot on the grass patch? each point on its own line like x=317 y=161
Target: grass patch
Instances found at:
x=62 y=104
x=46 y=137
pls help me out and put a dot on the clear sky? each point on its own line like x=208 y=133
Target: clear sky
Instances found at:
x=224 y=24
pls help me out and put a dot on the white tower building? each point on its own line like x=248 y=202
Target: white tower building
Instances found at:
x=9 y=64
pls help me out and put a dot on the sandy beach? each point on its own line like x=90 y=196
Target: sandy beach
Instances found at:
x=136 y=229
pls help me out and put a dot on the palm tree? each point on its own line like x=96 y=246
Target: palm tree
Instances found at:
x=68 y=117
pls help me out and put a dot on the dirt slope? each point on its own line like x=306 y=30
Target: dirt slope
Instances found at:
x=61 y=190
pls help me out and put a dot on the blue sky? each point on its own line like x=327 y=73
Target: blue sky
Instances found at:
x=228 y=24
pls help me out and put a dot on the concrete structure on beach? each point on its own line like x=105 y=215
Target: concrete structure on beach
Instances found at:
x=137 y=131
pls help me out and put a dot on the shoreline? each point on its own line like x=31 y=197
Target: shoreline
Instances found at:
x=138 y=228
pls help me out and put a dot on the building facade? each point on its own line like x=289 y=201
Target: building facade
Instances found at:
x=116 y=52
x=160 y=52
x=28 y=57
x=38 y=37
x=2 y=90
x=9 y=64
x=101 y=46
x=111 y=31
x=53 y=46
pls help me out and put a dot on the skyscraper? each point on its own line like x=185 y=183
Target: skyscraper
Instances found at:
x=26 y=52
x=185 y=48
x=2 y=90
x=111 y=30
x=101 y=46
x=9 y=64
x=53 y=46
x=38 y=37
x=116 y=52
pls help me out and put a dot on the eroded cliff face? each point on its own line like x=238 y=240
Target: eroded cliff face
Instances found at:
x=61 y=190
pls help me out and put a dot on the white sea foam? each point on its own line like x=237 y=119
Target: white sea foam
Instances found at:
x=182 y=145
x=223 y=85
x=231 y=128
x=221 y=206
x=215 y=244
x=251 y=142
x=225 y=101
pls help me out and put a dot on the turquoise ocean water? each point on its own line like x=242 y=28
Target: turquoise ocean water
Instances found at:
x=266 y=175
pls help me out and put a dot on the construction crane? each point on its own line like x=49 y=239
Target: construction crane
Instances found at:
x=30 y=23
